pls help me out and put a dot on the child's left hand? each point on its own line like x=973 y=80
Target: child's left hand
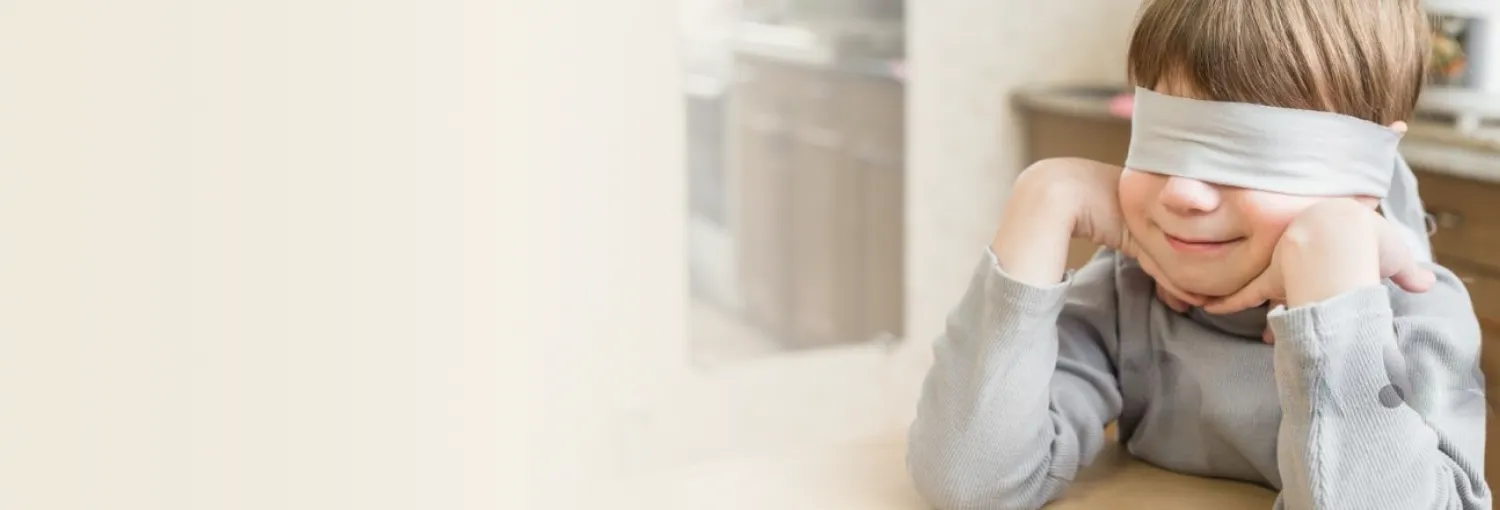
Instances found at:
x=1331 y=248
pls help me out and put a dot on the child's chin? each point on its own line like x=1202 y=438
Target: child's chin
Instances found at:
x=1209 y=282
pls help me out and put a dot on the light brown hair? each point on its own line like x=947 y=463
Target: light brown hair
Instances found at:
x=1362 y=58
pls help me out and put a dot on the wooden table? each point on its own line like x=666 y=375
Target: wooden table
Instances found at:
x=873 y=477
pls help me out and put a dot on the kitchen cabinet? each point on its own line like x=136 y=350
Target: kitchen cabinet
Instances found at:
x=816 y=168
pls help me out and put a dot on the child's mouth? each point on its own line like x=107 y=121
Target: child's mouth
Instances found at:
x=1200 y=246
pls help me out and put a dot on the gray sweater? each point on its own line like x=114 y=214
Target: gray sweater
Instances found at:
x=1372 y=399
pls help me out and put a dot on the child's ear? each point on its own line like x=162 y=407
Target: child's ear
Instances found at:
x=1399 y=127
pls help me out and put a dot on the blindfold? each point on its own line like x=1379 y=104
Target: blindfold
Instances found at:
x=1282 y=150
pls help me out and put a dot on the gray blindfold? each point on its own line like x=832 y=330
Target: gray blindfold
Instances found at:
x=1281 y=150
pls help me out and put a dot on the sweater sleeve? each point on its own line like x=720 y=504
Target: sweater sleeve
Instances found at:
x=1021 y=387
x=1382 y=400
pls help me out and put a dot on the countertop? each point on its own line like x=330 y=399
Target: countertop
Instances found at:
x=799 y=47
x=1427 y=146
x=878 y=68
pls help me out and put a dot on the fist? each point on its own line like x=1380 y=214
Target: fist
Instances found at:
x=1057 y=200
x=1331 y=248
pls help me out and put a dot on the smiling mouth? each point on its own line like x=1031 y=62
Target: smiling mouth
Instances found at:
x=1200 y=245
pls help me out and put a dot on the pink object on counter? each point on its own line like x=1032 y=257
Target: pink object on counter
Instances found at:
x=1122 y=105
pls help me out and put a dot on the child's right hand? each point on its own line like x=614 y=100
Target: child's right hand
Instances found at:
x=1056 y=200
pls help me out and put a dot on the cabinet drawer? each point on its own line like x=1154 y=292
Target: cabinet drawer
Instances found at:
x=1050 y=135
x=1484 y=291
x=1468 y=221
x=876 y=110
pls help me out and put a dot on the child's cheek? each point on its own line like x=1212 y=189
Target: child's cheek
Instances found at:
x=1268 y=214
x=1136 y=191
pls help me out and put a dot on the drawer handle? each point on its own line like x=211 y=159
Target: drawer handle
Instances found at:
x=1443 y=219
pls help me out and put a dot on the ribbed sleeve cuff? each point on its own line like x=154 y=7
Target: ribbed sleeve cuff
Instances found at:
x=1356 y=308
x=1347 y=327
x=1003 y=290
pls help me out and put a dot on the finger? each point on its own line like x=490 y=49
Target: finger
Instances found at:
x=1415 y=278
x=1254 y=294
x=1166 y=297
x=1269 y=335
x=1164 y=286
x=1398 y=262
x=1152 y=270
x=1186 y=297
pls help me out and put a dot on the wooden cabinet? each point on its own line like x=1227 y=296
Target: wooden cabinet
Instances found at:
x=1468 y=231
x=825 y=252
x=762 y=175
x=817 y=177
x=1468 y=223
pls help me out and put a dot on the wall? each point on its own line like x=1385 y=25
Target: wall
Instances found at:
x=963 y=137
x=278 y=255
x=594 y=211
x=250 y=255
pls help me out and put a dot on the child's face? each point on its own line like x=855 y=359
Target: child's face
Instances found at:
x=1208 y=239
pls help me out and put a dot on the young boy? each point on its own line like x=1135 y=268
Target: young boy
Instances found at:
x=1255 y=318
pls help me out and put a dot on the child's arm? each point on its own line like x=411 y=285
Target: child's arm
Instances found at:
x=1019 y=392
x=1383 y=403
x=1382 y=398
x=1022 y=381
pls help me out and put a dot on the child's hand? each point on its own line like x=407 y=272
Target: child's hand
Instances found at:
x=1057 y=200
x=1332 y=248
x=1169 y=298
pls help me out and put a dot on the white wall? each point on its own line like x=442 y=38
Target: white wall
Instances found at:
x=250 y=255
x=279 y=255
x=593 y=207
x=963 y=138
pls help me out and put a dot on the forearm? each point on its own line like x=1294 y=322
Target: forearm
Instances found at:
x=1003 y=420
x=1043 y=214
x=1032 y=243
x=1021 y=384
x=1359 y=430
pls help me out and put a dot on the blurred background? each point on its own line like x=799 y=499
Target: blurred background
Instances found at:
x=544 y=253
x=808 y=140
x=845 y=164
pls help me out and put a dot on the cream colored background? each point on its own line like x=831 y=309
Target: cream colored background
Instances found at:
x=250 y=256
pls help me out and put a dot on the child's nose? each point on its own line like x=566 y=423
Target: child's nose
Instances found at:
x=1182 y=195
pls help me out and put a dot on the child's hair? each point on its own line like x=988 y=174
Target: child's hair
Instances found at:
x=1362 y=58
